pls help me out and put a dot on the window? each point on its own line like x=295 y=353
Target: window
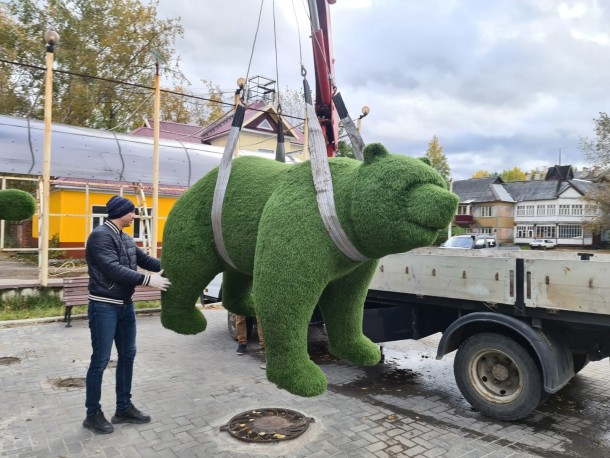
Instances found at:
x=551 y=210
x=590 y=209
x=577 y=210
x=529 y=210
x=98 y=215
x=569 y=231
x=541 y=210
x=485 y=212
x=463 y=210
x=520 y=210
x=485 y=230
x=525 y=231
x=141 y=225
x=545 y=232
x=265 y=125
x=564 y=209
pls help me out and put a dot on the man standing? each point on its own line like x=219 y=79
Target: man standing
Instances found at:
x=241 y=328
x=112 y=260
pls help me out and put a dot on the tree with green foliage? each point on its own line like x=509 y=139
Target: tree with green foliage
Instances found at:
x=110 y=40
x=514 y=174
x=597 y=151
x=437 y=158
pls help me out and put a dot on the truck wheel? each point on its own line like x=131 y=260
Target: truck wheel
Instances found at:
x=498 y=377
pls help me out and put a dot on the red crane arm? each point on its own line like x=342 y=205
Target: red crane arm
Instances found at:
x=324 y=64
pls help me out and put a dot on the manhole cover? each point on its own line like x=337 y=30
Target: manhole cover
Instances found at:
x=267 y=425
x=7 y=360
x=70 y=382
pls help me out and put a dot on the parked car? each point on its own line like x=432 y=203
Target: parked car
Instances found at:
x=543 y=243
x=471 y=241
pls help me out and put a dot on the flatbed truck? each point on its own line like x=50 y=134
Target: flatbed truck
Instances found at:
x=523 y=323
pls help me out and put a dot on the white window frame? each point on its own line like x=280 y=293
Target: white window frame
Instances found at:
x=138 y=224
x=569 y=231
x=525 y=231
x=98 y=216
x=486 y=212
x=545 y=231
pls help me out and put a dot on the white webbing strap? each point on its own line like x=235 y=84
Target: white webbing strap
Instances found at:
x=324 y=188
x=350 y=128
x=224 y=172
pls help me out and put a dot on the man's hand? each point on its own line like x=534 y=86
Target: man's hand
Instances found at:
x=159 y=282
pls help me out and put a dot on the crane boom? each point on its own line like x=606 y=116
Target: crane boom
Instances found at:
x=325 y=73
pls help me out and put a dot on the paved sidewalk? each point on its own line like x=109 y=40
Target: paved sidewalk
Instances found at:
x=193 y=385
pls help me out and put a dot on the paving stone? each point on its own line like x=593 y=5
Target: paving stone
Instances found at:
x=192 y=385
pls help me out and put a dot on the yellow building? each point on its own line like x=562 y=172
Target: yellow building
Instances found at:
x=77 y=206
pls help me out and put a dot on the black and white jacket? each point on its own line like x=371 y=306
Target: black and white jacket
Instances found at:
x=113 y=258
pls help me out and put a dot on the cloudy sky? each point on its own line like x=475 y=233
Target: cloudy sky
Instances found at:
x=502 y=83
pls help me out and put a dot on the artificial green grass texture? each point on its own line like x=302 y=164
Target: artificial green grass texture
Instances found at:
x=16 y=205
x=286 y=262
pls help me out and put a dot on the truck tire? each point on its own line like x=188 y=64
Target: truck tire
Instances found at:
x=498 y=377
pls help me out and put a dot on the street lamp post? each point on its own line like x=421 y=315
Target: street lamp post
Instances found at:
x=156 y=134
x=51 y=39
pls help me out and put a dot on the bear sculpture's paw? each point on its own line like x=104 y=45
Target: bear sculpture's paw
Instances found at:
x=359 y=351
x=303 y=379
x=190 y=321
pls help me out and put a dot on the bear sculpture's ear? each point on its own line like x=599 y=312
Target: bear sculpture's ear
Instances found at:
x=373 y=152
x=425 y=160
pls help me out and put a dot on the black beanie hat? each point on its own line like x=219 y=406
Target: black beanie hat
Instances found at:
x=118 y=206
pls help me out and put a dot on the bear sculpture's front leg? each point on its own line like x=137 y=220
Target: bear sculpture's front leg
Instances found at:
x=342 y=307
x=284 y=304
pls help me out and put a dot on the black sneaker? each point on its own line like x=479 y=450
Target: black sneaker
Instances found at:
x=130 y=415
x=241 y=349
x=98 y=424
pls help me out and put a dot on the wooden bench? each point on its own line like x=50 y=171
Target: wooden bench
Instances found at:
x=76 y=292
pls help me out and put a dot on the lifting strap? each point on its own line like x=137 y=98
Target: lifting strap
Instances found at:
x=323 y=182
x=224 y=171
x=350 y=128
x=280 y=149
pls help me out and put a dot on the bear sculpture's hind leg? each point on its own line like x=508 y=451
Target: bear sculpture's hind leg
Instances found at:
x=342 y=307
x=284 y=309
x=237 y=293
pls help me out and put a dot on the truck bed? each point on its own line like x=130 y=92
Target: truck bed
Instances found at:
x=556 y=281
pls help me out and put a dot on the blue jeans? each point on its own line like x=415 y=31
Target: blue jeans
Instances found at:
x=109 y=323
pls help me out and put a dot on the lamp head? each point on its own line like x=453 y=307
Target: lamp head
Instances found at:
x=51 y=37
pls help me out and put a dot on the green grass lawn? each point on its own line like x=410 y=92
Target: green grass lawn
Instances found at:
x=22 y=308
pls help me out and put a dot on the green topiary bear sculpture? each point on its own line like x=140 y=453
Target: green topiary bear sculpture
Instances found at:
x=287 y=263
x=16 y=205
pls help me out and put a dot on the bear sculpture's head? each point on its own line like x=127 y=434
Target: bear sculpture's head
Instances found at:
x=397 y=203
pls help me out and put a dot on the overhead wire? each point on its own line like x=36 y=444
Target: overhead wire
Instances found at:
x=260 y=12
